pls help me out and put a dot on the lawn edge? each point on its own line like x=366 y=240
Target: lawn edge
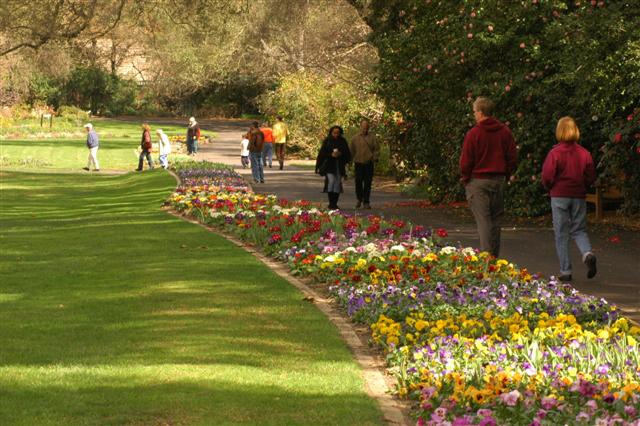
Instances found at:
x=394 y=411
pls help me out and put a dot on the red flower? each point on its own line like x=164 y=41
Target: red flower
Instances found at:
x=614 y=240
x=442 y=233
x=617 y=138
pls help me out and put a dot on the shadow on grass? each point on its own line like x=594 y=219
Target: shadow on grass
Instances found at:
x=176 y=402
x=113 y=312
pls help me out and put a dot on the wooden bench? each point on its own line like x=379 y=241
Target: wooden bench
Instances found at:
x=604 y=194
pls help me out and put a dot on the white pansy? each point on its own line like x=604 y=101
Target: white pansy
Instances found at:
x=448 y=250
x=468 y=251
x=397 y=247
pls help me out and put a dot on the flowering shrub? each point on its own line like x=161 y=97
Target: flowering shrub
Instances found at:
x=621 y=161
x=538 y=59
x=472 y=339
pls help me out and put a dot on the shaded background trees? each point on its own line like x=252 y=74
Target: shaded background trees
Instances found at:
x=414 y=66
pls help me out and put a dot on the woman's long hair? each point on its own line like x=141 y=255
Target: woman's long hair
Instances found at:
x=331 y=131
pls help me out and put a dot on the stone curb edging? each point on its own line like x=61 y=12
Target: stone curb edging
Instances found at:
x=393 y=410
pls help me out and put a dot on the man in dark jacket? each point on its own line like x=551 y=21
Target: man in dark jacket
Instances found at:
x=489 y=157
x=256 y=144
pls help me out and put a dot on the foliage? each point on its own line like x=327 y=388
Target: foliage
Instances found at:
x=311 y=103
x=539 y=60
x=95 y=89
x=621 y=161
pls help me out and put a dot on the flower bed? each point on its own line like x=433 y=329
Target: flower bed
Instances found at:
x=471 y=339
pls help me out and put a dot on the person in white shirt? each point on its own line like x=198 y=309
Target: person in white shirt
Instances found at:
x=164 y=148
x=244 y=151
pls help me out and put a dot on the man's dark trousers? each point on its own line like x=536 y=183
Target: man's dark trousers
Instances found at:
x=486 y=201
x=364 y=178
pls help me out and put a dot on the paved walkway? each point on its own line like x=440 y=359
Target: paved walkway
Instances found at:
x=529 y=244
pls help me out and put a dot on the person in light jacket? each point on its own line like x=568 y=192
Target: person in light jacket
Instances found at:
x=93 y=143
x=164 y=148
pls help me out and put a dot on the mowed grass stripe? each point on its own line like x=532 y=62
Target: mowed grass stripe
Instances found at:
x=113 y=312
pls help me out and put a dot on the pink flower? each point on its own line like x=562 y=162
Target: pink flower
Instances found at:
x=484 y=412
x=470 y=36
x=582 y=417
x=488 y=421
x=522 y=45
x=630 y=411
x=507 y=88
x=548 y=403
x=490 y=28
x=510 y=398
x=473 y=14
x=617 y=138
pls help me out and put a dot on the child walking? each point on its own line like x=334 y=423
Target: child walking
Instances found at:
x=244 y=151
x=567 y=173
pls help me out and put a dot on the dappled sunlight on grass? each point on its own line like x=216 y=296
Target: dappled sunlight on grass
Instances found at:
x=114 y=312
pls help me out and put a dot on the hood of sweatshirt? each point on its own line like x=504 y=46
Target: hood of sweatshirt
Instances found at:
x=490 y=124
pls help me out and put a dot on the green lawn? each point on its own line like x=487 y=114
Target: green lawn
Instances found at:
x=118 y=143
x=114 y=312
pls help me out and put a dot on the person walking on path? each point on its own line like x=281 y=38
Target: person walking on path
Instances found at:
x=364 y=153
x=193 y=134
x=146 y=146
x=164 y=148
x=332 y=158
x=93 y=143
x=244 y=151
x=280 y=136
x=256 y=144
x=567 y=172
x=267 y=149
x=489 y=157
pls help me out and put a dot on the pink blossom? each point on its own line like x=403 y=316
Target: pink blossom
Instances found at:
x=510 y=398
x=485 y=412
x=617 y=138
x=507 y=88
x=582 y=417
x=470 y=36
x=522 y=45
x=548 y=403
x=490 y=28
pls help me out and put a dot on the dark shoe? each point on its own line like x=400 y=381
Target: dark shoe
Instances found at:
x=96 y=170
x=590 y=261
x=137 y=170
x=281 y=166
x=269 y=165
x=366 y=206
x=85 y=168
x=261 y=181
x=565 y=278
x=358 y=204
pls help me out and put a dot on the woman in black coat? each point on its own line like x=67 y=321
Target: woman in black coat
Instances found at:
x=334 y=155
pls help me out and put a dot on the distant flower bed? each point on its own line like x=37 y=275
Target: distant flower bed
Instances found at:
x=473 y=340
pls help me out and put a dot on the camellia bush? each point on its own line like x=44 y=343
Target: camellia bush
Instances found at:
x=470 y=339
x=538 y=60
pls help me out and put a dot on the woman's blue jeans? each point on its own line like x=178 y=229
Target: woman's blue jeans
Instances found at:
x=569 y=221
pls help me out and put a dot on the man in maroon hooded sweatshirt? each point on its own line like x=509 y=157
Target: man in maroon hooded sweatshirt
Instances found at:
x=488 y=159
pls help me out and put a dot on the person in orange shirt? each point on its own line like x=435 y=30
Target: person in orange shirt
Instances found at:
x=267 y=149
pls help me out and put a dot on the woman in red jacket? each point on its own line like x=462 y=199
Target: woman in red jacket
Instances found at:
x=567 y=173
